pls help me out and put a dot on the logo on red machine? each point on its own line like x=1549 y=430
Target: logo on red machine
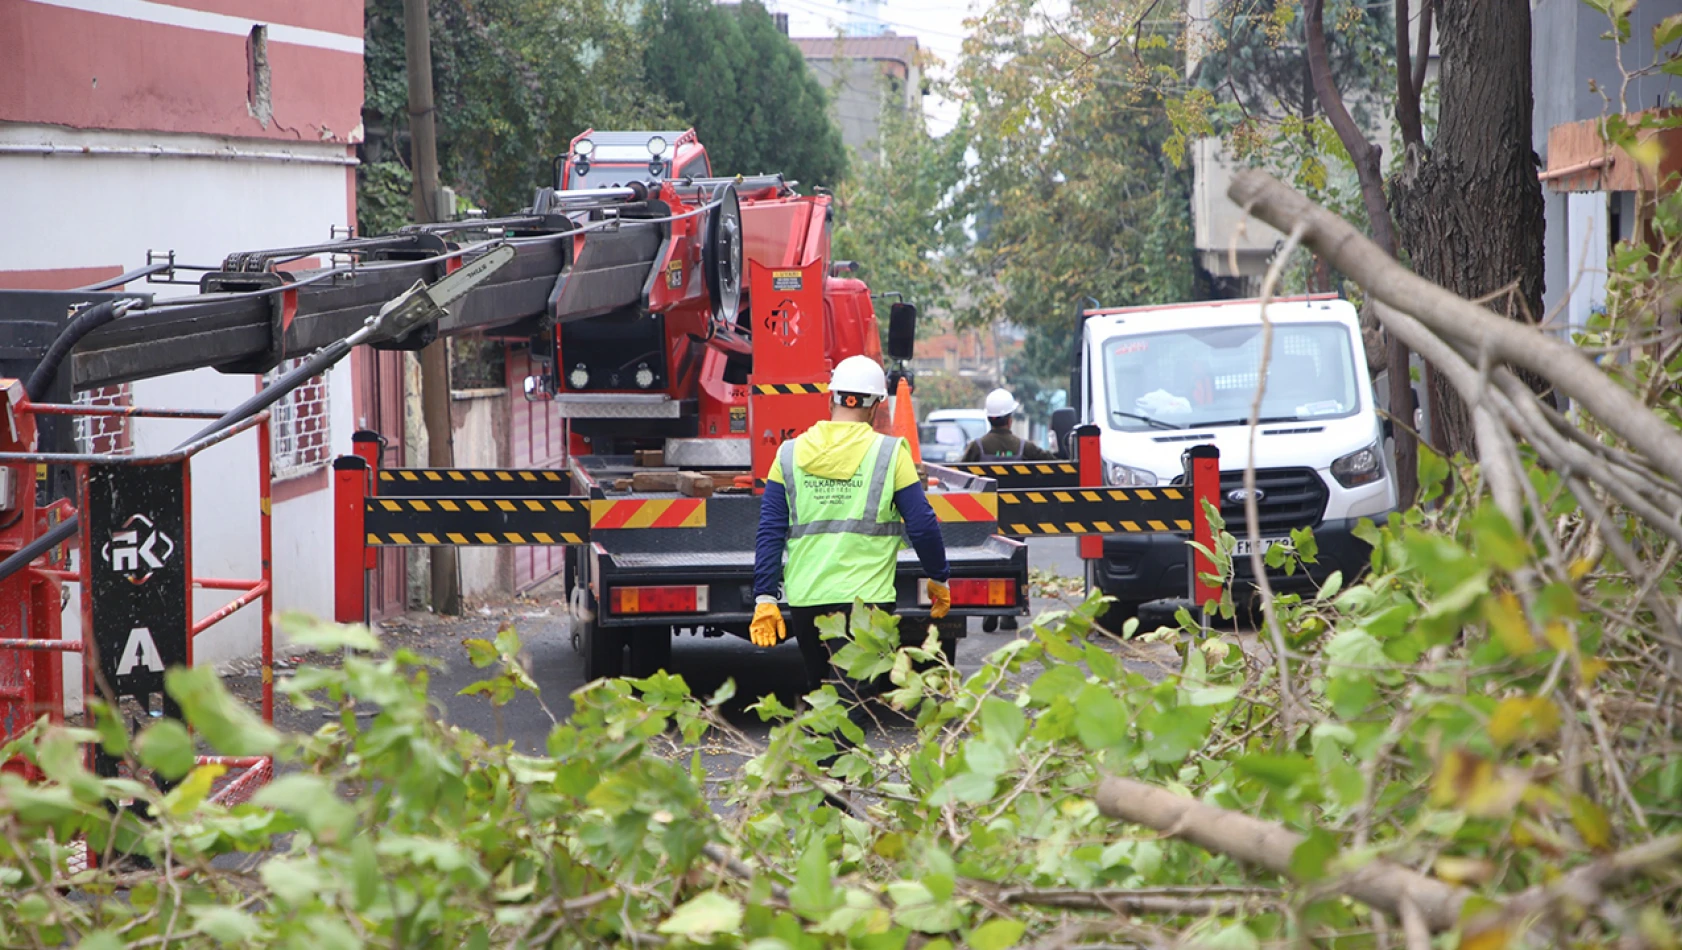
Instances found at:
x=783 y=321
x=137 y=549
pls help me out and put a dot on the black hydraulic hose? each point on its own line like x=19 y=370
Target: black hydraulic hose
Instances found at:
x=272 y=393
x=84 y=322
x=121 y=279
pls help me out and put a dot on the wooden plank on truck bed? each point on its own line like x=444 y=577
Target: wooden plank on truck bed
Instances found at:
x=691 y=484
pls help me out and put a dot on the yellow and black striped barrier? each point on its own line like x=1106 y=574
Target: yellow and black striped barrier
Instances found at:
x=475 y=521
x=789 y=389
x=1075 y=511
x=433 y=482
x=1011 y=475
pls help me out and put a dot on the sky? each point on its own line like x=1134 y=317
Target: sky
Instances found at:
x=938 y=26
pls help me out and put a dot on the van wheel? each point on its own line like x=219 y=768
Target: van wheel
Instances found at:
x=651 y=650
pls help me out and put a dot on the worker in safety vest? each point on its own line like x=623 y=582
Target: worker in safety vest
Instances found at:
x=1001 y=444
x=841 y=500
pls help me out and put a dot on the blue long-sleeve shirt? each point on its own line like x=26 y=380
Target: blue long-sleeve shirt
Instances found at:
x=921 y=527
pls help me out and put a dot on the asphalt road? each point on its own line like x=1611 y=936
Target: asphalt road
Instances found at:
x=704 y=663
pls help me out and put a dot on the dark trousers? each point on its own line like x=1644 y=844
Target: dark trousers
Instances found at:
x=817 y=652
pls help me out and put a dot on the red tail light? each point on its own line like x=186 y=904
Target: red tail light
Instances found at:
x=659 y=600
x=976 y=592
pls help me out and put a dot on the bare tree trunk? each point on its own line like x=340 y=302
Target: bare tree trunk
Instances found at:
x=1469 y=210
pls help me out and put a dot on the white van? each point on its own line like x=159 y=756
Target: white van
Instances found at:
x=1158 y=380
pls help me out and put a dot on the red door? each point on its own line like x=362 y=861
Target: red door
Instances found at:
x=536 y=439
x=377 y=378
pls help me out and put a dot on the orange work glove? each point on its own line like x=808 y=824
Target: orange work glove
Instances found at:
x=767 y=628
x=940 y=599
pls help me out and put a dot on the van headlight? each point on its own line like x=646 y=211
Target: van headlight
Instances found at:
x=1125 y=476
x=1359 y=468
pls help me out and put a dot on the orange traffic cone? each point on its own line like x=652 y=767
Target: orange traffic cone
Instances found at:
x=905 y=420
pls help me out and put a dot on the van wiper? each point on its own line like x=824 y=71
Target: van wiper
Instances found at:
x=1264 y=420
x=1148 y=420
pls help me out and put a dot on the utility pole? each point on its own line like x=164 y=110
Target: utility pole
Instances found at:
x=434 y=359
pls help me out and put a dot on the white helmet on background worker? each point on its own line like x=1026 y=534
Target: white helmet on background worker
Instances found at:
x=1000 y=403
x=858 y=376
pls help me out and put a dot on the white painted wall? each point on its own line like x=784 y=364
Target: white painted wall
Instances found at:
x=480 y=418
x=80 y=211
x=1586 y=232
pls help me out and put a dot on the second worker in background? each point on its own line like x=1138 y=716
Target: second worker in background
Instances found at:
x=1001 y=444
x=841 y=500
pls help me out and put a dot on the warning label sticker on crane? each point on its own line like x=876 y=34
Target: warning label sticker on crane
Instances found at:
x=674 y=275
x=786 y=280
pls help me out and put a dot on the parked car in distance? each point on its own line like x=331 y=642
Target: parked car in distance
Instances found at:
x=946 y=433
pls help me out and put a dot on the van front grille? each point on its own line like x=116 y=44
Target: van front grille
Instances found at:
x=1291 y=498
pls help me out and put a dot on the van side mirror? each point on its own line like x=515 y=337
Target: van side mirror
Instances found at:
x=1062 y=424
x=902 y=330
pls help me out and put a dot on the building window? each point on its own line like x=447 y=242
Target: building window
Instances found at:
x=105 y=435
x=299 y=440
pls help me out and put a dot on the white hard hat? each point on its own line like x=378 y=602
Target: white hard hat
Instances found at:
x=861 y=375
x=1000 y=403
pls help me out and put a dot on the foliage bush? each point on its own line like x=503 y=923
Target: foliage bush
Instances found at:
x=1440 y=721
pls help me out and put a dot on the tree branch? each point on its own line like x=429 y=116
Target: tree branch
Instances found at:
x=1422 y=55
x=1381 y=884
x=1454 y=317
x=1363 y=153
x=1407 y=98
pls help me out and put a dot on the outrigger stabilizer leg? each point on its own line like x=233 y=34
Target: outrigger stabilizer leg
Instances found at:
x=416 y=307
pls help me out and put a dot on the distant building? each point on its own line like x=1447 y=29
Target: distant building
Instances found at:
x=1589 y=192
x=864 y=18
x=865 y=75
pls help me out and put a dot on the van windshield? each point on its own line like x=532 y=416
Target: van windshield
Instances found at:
x=1207 y=376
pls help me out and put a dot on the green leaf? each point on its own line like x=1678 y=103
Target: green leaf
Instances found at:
x=1310 y=858
x=971 y=787
x=166 y=748
x=1279 y=771
x=984 y=758
x=1055 y=682
x=297 y=881
x=310 y=799
x=1175 y=733
x=312 y=633
x=1100 y=718
x=996 y=934
x=1355 y=653
x=113 y=735
x=508 y=641
x=1232 y=937
x=101 y=940
x=226 y=925
x=480 y=652
x=702 y=916
x=1003 y=722
x=1497 y=540
x=1668 y=31
x=813 y=895
x=226 y=723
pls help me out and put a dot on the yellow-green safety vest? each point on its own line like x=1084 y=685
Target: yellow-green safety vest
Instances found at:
x=844 y=535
